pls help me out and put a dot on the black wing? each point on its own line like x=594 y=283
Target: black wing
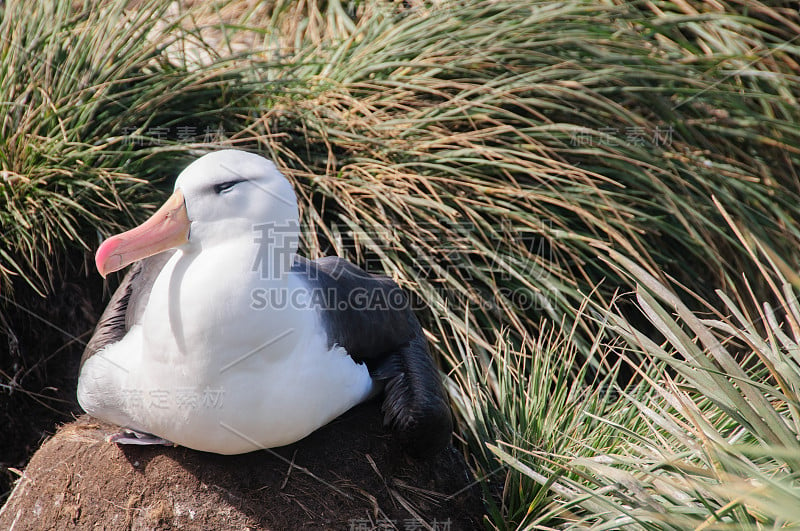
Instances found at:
x=127 y=304
x=371 y=318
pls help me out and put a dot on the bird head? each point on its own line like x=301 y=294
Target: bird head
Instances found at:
x=218 y=197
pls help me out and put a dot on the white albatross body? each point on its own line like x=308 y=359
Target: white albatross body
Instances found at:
x=199 y=374
x=216 y=339
x=207 y=368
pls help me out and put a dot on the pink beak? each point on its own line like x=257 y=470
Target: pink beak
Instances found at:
x=167 y=228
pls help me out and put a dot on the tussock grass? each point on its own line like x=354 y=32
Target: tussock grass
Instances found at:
x=500 y=144
x=708 y=437
x=536 y=404
x=92 y=105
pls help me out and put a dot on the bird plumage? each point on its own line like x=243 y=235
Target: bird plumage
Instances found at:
x=184 y=320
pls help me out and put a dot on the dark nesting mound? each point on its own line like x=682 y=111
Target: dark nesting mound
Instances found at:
x=350 y=474
x=41 y=340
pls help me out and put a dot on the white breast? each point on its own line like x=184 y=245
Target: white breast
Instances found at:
x=208 y=370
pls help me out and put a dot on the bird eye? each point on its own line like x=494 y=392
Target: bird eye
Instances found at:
x=224 y=187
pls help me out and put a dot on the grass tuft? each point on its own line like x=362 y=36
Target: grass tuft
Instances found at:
x=94 y=109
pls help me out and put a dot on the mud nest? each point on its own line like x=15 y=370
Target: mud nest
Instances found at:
x=349 y=474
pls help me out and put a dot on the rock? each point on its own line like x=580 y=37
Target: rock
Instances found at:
x=349 y=474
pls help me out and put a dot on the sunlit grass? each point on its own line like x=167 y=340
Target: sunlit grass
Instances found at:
x=708 y=438
x=92 y=106
x=481 y=154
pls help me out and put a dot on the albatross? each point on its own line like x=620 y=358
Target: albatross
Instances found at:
x=223 y=339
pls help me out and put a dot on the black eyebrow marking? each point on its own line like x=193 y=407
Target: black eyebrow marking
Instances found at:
x=227 y=185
